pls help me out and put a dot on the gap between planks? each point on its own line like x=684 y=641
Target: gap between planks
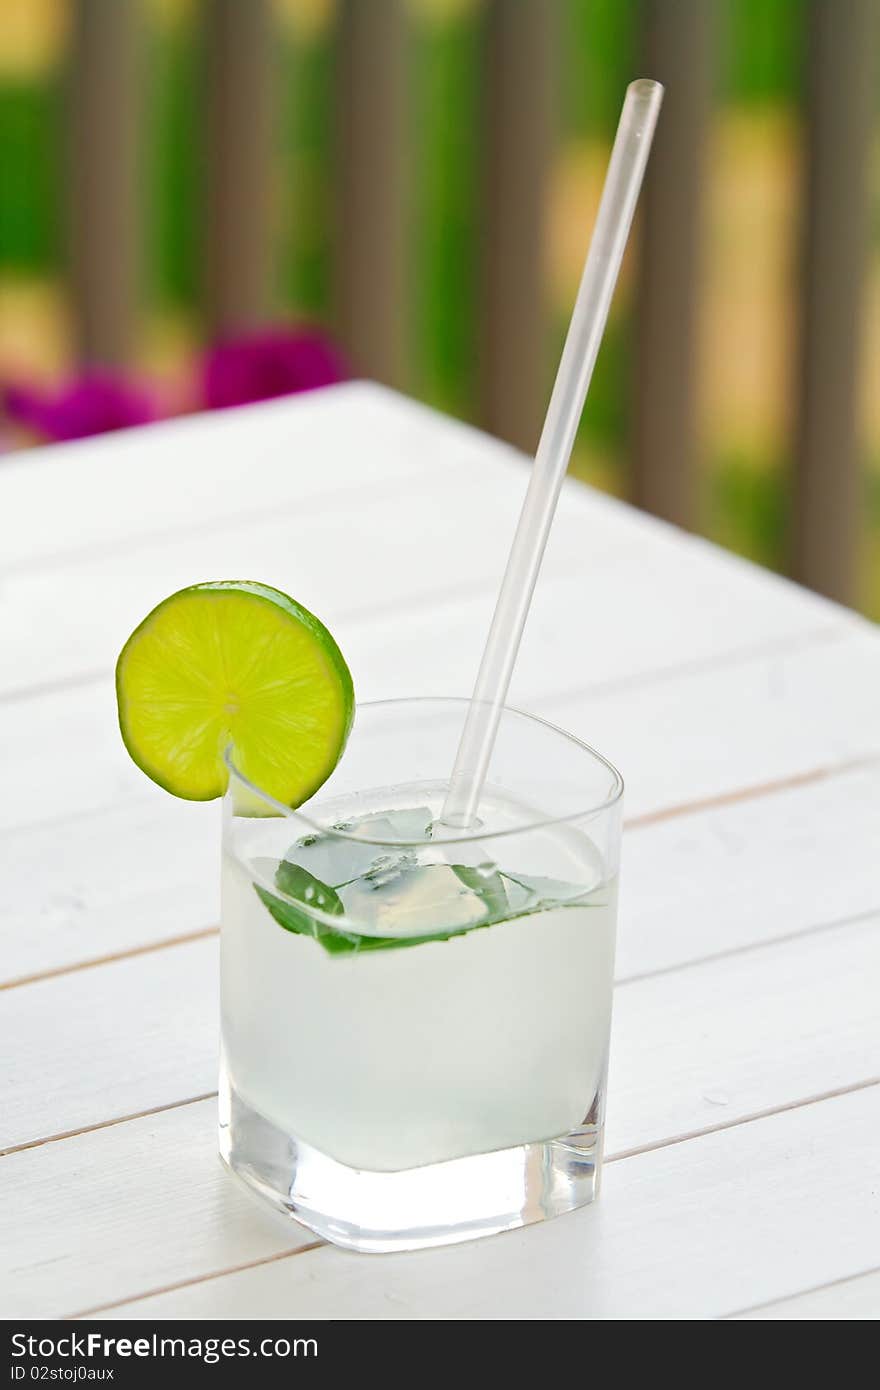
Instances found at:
x=106 y=1124
x=742 y=656
x=198 y=934
x=755 y=1115
x=759 y=789
x=200 y=1279
x=791 y=1297
x=611 y=1158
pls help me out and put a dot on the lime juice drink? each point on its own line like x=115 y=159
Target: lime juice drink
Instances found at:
x=417 y=938
x=415 y=1013
x=415 y=1018
x=436 y=1008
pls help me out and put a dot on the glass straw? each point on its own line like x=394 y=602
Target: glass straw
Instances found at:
x=623 y=180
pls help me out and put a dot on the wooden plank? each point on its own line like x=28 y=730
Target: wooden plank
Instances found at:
x=91 y=1221
x=707 y=734
x=387 y=552
x=300 y=553
x=774 y=1026
x=61 y=908
x=72 y=767
x=695 y=1231
x=678 y=44
x=239 y=71
x=752 y=1032
x=103 y=884
x=767 y=1023
x=62 y=755
x=520 y=86
x=186 y=475
x=104 y=178
x=841 y=84
x=371 y=228
x=137 y=1035
x=718 y=880
x=686 y=603
x=850 y=1300
x=683 y=627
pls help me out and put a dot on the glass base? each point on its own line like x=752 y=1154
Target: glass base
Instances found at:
x=436 y=1205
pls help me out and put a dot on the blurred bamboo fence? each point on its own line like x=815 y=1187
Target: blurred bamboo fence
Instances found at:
x=516 y=62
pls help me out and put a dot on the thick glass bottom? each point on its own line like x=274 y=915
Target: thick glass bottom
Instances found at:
x=435 y=1205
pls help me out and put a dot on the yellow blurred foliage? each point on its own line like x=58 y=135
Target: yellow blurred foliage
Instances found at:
x=32 y=34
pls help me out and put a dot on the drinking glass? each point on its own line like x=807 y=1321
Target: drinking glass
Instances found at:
x=415 y=1017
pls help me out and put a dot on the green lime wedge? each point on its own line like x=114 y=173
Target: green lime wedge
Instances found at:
x=241 y=664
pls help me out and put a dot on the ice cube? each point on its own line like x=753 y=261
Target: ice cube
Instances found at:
x=331 y=858
x=429 y=900
x=544 y=892
x=339 y=859
x=398 y=827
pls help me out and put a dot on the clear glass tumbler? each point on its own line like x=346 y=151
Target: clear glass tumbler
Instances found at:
x=415 y=1018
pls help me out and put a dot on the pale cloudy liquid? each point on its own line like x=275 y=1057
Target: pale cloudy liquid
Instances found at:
x=387 y=1059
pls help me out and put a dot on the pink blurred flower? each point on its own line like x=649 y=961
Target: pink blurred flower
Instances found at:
x=94 y=403
x=275 y=362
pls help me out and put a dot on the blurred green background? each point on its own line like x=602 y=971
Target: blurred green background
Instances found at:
x=747 y=294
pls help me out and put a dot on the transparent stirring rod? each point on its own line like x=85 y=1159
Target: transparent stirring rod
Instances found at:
x=623 y=180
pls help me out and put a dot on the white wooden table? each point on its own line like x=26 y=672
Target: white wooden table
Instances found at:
x=744 y=1111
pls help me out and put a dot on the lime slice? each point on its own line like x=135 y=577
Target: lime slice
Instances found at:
x=240 y=664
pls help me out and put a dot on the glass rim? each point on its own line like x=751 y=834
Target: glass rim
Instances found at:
x=458 y=837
